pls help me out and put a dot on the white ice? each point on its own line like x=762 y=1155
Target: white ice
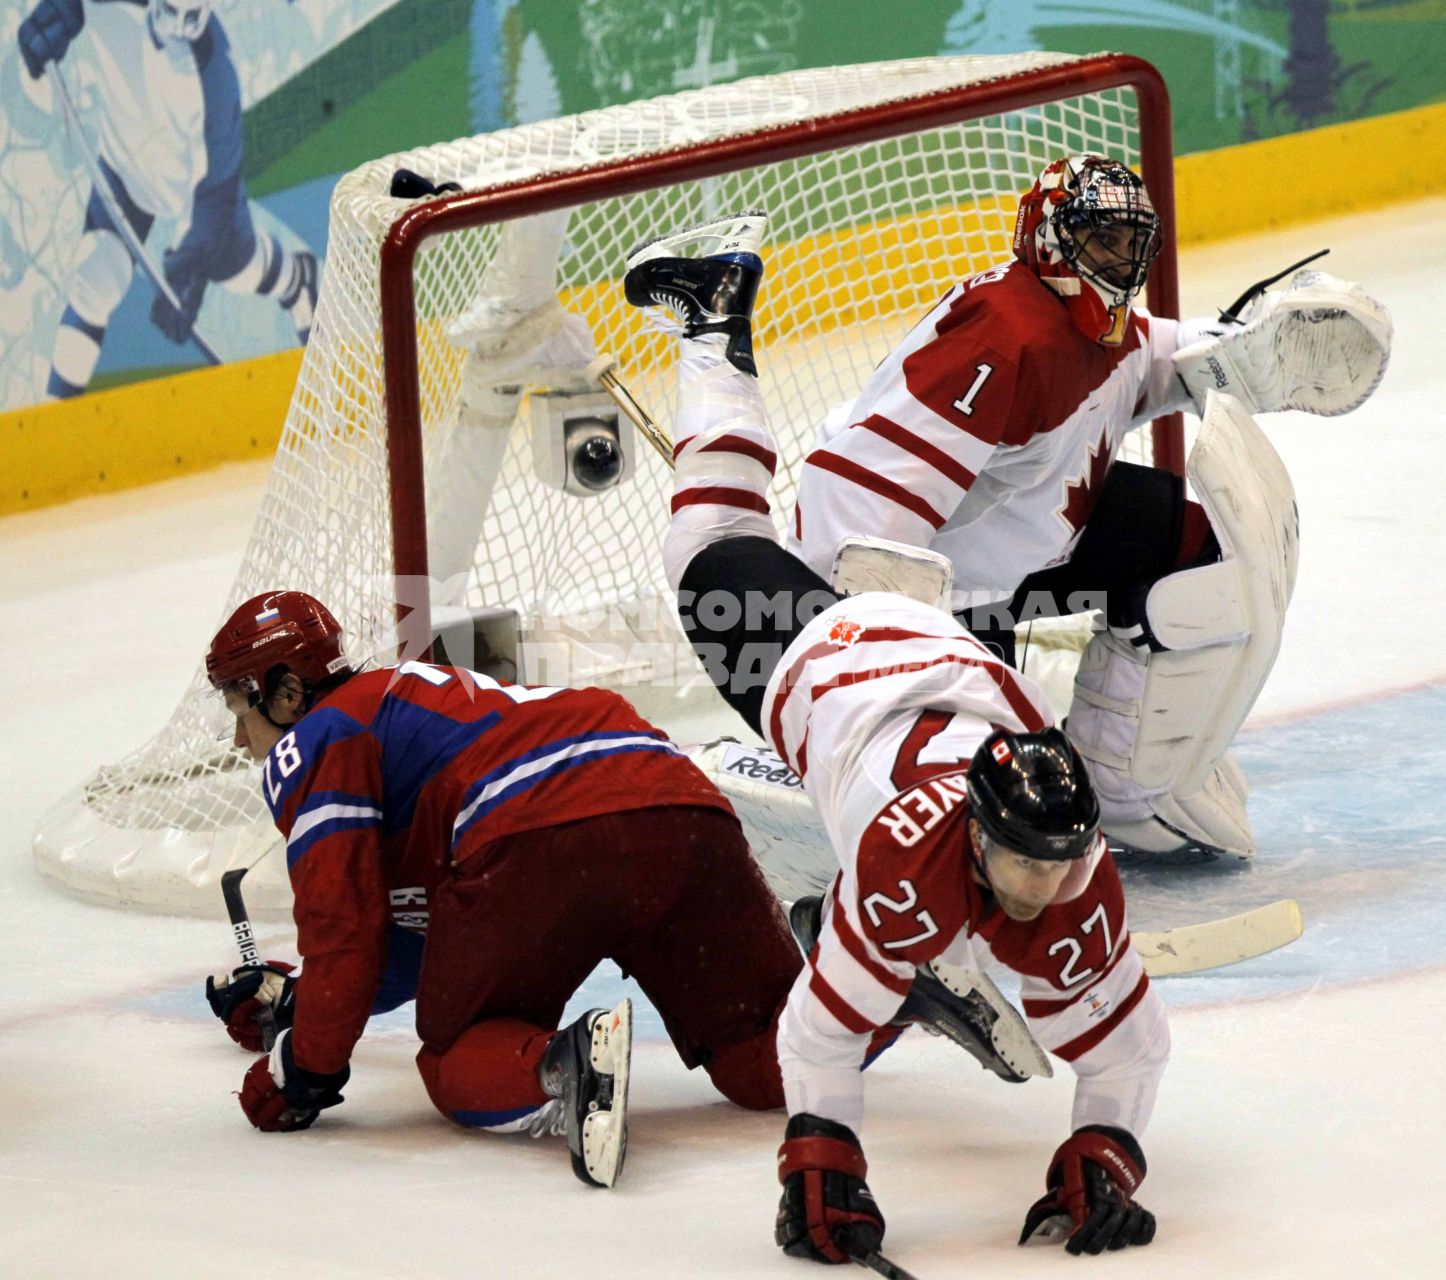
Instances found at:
x=1302 y=1125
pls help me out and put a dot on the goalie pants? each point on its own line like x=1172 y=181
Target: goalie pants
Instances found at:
x=671 y=894
x=1142 y=528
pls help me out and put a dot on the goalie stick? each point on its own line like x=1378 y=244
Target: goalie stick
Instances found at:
x=601 y=372
x=246 y=942
x=1192 y=948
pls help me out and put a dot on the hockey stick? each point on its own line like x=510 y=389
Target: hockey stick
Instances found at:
x=1194 y=947
x=873 y=1260
x=246 y=941
x=117 y=215
x=601 y=372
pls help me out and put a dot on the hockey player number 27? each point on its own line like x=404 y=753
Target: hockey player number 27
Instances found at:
x=1071 y=946
x=965 y=403
x=910 y=897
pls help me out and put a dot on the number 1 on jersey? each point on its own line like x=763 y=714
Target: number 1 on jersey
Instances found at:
x=965 y=403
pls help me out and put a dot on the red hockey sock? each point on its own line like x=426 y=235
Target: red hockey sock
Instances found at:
x=488 y=1077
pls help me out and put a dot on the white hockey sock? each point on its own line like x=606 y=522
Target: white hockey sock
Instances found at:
x=724 y=454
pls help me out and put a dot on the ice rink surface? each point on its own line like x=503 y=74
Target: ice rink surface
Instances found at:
x=1301 y=1127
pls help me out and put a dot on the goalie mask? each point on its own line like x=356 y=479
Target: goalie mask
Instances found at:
x=287 y=630
x=1036 y=820
x=179 y=19
x=1088 y=230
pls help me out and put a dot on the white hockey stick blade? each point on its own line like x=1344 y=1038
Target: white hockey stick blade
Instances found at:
x=1194 y=947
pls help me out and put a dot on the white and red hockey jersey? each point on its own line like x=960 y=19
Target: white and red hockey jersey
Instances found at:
x=985 y=434
x=879 y=705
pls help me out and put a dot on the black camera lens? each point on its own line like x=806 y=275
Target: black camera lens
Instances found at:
x=598 y=462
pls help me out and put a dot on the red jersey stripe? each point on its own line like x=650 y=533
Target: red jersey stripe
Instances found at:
x=927 y=453
x=721 y=496
x=738 y=444
x=837 y=1005
x=866 y=479
x=1081 y=1045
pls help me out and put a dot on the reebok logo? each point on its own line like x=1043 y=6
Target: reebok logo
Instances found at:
x=1217 y=372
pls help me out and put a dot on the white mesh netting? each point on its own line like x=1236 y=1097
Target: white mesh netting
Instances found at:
x=862 y=239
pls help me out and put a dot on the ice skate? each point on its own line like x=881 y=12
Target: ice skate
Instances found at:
x=711 y=291
x=953 y=1001
x=586 y=1065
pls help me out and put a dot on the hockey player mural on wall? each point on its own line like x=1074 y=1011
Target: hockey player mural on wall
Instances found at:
x=169 y=146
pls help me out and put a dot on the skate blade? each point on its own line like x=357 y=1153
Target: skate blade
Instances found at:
x=740 y=232
x=605 y=1133
x=1010 y=1035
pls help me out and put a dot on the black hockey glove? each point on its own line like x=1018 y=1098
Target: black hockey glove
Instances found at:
x=184 y=274
x=255 y=1002
x=46 y=34
x=1091 y=1180
x=278 y=1096
x=827 y=1212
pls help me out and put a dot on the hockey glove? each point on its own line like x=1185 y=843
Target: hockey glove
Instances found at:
x=241 y=997
x=183 y=273
x=827 y=1212
x=278 y=1096
x=1091 y=1181
x=46 y=34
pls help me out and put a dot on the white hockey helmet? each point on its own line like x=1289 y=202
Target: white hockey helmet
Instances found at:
x=1088 y=230
x=179 y=19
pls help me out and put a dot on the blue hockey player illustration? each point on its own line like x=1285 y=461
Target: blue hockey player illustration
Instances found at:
x=170 y=146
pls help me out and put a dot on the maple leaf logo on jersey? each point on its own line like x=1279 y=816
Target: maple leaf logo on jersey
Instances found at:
x=844 y=632
x=1081 y=493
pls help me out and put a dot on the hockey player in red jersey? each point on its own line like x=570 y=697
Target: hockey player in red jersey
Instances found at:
x=966 y=826
x=481 y=847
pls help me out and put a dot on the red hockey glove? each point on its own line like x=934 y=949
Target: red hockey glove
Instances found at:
x=1091 y=1181
x=827 y=1212
x=278 y=1096
x=240 y=997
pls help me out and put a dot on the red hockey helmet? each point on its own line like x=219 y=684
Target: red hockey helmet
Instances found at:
x=275 y=629
x=1088 y=230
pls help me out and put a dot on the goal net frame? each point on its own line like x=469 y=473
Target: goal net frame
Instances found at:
x=159 y=829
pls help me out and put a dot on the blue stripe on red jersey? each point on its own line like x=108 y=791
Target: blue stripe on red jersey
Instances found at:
x=525 y=771
x=417 y=744
x=308 y=739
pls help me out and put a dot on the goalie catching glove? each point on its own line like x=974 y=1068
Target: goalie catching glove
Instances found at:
x=240 y=997
x=1091 y=1180
x=278 y=1096
x=827 y=1212
x=1320 y=345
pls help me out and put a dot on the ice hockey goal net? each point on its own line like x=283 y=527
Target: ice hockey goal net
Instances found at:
x=884 y=185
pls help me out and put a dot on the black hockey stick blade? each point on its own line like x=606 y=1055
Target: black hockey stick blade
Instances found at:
x=1231 y=314
x=875 y=1261
x=246 y=943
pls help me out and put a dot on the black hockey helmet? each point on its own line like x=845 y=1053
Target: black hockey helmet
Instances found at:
x=1030 y=793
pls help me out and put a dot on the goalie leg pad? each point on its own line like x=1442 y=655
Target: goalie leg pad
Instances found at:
x=1155 y=726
